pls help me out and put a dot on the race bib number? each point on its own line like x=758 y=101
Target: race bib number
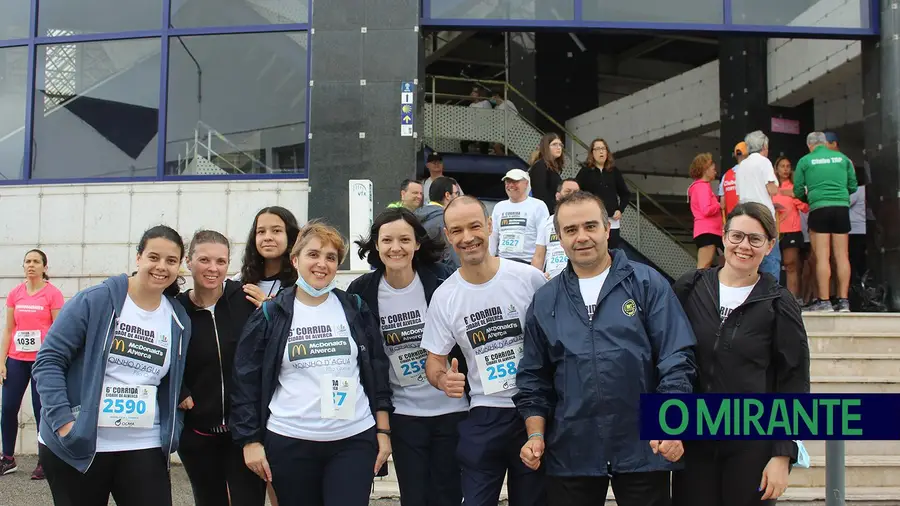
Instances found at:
x=498 y=369
x=28 y=341
x=128 y=406
x=557 y=262
x=338 y=397
x=512 y=242
x=409 y=366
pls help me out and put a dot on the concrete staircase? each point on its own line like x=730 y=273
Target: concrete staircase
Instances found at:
x=853 y=352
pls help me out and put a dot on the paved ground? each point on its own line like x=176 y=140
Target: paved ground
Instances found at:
x=17 y=489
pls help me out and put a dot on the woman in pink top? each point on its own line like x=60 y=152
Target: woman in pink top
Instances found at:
x=706 y=210
x=31 y=308
x=789 y=224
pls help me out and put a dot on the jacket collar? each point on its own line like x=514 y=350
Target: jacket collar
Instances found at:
x=619 y=270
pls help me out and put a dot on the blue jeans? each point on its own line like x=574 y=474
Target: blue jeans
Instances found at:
x=18 y=376
x=772 y=262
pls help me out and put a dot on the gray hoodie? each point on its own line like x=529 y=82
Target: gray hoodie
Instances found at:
x=432 y=218
x=71 y=366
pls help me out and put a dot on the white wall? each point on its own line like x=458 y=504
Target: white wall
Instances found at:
x=90 y=231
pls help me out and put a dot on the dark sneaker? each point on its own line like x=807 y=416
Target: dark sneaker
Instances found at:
x=842 y=306
x=38 y=473
x=819 y=306
x=8 y=465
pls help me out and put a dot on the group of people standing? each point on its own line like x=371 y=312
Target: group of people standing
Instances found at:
x=819 y=209
x=470 y=376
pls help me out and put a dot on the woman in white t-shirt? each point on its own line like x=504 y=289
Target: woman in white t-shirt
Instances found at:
x=407 y=272
x=109 y=375
x=750 y=340
x=266 y=267
x=311 y=399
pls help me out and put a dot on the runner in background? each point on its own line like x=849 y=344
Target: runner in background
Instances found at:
x=481 y=308
x=600 y=176
x=790 y=226
x=425 y=422
x=549 y=255
x=312 y=399
x=31 y=308
x=727 y=187
x=115 y=358
x=516 y=221
x=218 y=310
x=267 y=265
x=706 y=210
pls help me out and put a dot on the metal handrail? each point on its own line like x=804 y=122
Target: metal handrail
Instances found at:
x=641 y=194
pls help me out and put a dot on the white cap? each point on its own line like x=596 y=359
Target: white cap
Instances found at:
x=517 y=175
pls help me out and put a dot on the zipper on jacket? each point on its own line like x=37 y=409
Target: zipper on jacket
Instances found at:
x=175 y=396
x=105 y=354
x=221 y=372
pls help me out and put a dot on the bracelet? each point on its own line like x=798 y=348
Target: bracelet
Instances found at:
x=536 y=434
x=386 y=432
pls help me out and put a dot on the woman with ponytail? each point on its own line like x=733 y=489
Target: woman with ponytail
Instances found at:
x=109 y=376
x=31 y=308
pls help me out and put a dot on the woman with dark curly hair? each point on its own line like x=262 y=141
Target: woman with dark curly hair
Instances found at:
x=267 y=265
x=424 y=423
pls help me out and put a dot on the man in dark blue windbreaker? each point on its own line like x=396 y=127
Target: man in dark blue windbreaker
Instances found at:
x=597 y=336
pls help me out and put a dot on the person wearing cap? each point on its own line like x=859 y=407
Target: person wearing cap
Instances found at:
x=516 y=221
x=435 y=165
x=727 y=187
x=825 y=179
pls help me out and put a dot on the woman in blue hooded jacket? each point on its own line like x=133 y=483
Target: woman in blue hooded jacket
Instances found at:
x=109 y=374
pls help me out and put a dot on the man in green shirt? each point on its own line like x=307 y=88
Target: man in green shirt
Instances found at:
x=825 y=179
x=410 y=195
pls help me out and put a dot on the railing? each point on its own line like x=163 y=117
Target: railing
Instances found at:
x=641 y=200
x=202 y=149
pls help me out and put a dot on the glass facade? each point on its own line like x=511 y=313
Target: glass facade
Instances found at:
x=153 y=89
x=798 y=17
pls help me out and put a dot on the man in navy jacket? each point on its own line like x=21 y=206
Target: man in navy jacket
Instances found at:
x=597 y=336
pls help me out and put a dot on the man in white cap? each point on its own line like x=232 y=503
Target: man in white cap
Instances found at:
x=516 y=221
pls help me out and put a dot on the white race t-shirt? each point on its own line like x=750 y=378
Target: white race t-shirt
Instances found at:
x=555 y=259
x=487 y=321
x=319 y=396
x=590 y=290
x=139 y=356
x=755 y=173
x=730 y=298
x=515 y=228
x=402 y=313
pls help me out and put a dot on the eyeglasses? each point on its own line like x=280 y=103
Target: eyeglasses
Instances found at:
x=601 y=149
x=737 y=237
x=556 y=145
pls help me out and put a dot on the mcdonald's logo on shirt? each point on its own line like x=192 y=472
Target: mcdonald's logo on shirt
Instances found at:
x=298 y=350
x=392 y=338
x=118 y=344
x=478 y=337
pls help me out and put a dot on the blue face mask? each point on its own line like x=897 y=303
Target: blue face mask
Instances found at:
x=315 y=292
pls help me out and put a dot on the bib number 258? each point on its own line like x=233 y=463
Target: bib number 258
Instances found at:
x=502 y=370
x=413 y=367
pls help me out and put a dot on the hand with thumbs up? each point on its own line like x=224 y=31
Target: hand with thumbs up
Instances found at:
x=453 y=382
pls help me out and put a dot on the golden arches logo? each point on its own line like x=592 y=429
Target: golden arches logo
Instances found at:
x=118 y=345
x=298 y=350
x=392 y=338
x=478 y=337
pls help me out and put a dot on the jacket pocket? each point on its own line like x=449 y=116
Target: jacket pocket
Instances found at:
x=79 y=442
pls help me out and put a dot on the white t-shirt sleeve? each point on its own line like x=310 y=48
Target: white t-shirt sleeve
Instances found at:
x=494 y=242
x=769 y=172
x=437 y=336
x=542 y=213
x=536 y=278
x=543 y=235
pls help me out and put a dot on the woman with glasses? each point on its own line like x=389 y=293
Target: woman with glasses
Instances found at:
x=600 y=176
x=545 y=172
x=750 y=340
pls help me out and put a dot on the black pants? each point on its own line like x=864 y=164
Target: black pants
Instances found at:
x=425 y=459
x=615 y=237
x=725 y=473
x=490 y=440
x=857 y=253
x=631 y=489
x=313 y=473
x=215 y=466
x=134 y=478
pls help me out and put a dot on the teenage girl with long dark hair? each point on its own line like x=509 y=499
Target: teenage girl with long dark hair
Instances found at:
x=267 y=265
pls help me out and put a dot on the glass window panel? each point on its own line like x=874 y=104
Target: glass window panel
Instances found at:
x=805 y=13
x=14 y=19
x=13 y=90
x=237 y=104
x=74 y=17
x=558 y=10
x=654 y=11
x=96 y=109
x=194 y=13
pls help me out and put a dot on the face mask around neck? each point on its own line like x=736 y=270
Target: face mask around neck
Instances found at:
x=314 y=292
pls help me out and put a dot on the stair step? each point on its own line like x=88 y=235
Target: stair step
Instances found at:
x=851 y=323
x=860 y=471
x=817 y=448
x=855 y=341
x=855 y=384
x=854 y=364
